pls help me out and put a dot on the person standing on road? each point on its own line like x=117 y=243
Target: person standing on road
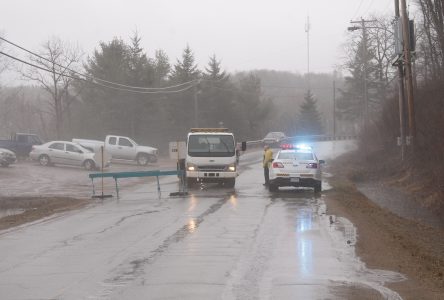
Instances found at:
x=268 y=157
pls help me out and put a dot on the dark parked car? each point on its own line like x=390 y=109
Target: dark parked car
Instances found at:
x=274 y=138
x=21 y=143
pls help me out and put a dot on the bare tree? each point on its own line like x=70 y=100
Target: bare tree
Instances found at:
x=61 y=59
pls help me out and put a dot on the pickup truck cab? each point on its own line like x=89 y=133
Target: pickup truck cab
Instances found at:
x=122 y=147
x=21 y=143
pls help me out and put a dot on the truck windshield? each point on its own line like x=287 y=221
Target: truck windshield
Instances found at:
x=211 y=145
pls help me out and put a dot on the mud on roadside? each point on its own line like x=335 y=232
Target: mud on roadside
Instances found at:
x=386 y=241
x=16 y=211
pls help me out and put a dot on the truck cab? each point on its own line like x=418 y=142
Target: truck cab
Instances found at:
x=211 y=156
x=21 y=143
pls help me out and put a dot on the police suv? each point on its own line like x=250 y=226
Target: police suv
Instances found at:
x=296 y=165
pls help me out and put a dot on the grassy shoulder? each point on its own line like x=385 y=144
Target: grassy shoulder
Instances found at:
x=29 y=209
x=386 y=241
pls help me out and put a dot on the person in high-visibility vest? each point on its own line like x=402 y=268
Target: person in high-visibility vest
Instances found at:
x=268 y=157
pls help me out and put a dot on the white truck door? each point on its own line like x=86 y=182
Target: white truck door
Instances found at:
x=127 y=149
x=112 y=147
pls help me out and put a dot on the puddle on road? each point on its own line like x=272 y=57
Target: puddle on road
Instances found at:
x=341 y=271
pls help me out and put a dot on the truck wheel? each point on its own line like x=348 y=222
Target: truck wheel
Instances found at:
x=44 y=160
x=230 y=182
x=143 y=159
x=89 y=165
x=191 y=182
x=153 y=159
x=318 y=187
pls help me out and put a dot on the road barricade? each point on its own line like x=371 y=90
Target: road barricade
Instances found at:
x=155 y=173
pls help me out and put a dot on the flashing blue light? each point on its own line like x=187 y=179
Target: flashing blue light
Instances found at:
x=303 y=147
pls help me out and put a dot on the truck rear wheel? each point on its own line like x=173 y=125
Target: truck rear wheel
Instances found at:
x=191 y=182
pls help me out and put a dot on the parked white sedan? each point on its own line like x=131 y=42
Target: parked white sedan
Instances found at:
x=65 y=153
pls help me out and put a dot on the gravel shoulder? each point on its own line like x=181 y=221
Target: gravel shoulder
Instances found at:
x=387 y=241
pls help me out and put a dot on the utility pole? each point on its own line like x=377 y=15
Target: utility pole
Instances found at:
x=401 y=95
x=334 y=108
x=408 y=71
x=196 y=107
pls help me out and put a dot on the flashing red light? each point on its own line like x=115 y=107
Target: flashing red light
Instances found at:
x=287 y=146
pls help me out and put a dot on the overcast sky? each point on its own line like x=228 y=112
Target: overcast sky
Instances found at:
x=244 y=34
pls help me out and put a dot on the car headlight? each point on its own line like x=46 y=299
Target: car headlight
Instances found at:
x=232 y=168
x=191 y=167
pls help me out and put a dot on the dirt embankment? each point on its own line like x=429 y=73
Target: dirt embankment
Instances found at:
x=20 y=210
x=386 y=241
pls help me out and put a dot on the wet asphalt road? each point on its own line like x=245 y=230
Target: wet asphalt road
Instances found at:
x=242 y=243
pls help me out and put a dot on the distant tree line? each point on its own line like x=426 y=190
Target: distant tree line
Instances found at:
x=92 y=97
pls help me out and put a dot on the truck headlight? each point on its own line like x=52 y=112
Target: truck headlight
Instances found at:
x=191 y=167
x=232 y=168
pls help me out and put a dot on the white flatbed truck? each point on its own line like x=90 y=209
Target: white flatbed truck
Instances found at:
x=211 y=156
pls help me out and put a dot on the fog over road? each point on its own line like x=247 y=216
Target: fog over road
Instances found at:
x=216 y=243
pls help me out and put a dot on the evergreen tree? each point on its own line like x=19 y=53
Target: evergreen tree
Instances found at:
x=213 y=71
x=309 y=121
x=162 y=67
x=182 y=105
x=216 y=96
x=186 y=69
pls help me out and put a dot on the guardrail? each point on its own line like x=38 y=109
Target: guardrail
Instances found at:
x=155 y=173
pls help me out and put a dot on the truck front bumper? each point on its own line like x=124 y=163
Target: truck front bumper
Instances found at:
x=209 y=176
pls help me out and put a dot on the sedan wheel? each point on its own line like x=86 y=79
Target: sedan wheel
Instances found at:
x=44 y=160
x=89 y=165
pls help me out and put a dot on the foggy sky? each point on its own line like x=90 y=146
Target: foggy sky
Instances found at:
x=244 y=34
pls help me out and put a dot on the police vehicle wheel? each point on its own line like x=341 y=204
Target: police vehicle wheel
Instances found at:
x=272 y=187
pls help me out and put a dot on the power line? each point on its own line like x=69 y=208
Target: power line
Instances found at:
x=92 y=82
x=92 y=78
x=357 y=10
x=368 y=7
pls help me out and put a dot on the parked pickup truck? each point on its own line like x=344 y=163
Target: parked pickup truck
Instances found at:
x=21 y=143
x=122 y=147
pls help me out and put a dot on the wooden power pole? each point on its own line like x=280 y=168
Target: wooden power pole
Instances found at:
x=408 y=71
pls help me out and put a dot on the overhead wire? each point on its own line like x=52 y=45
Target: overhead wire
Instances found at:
x=357 y=10
x=92 y=77
x=92 y=82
